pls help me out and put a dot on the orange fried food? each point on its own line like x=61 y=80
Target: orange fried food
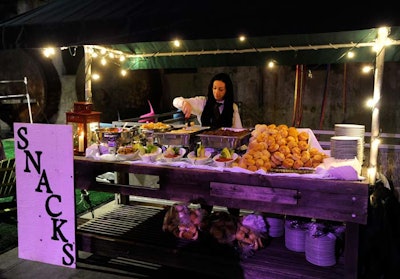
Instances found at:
x=279 y=156
x=284 y=149
x=298 y=164
x=305 y=156
x=308 y=164
x=314 y=151
x=273 y=147
x=288 y=163
x=303 y=145
x=275 y=162
x=293 y=132
x=303 y=136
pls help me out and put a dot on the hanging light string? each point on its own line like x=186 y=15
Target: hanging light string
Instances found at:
x=110 y=54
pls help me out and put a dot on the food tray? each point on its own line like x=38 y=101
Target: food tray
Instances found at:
x=155 y=127
x=181 y=136
x=225 y=137
x=172 y=139
x=121 y=135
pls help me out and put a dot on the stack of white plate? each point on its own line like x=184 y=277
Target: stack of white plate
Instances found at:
x=343 y=147
x=320 y=250
x=295 y=237
x=276 y=226
x=351 y=130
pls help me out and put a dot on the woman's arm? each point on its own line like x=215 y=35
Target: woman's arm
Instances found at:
x=194 y=105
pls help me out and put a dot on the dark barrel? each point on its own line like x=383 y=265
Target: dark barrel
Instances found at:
x=43 y=85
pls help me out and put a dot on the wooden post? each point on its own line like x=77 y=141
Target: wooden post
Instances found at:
x=379 y=63
x=88 y=74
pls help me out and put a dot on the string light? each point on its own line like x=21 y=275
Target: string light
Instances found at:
x=371 y=174
x=119 y=57
x=271 y=64
x=367 y=69
x=49 y=52
x=350 y=54
x=383 y=32
x=370 y=103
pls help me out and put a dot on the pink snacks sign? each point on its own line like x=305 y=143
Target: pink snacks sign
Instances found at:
x=45 y=193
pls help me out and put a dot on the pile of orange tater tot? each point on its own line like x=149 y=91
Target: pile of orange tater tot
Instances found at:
x=279 y=146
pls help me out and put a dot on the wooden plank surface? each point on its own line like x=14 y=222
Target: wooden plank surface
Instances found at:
x=253 y=193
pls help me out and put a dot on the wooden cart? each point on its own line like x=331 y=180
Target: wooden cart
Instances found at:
x=335 y=200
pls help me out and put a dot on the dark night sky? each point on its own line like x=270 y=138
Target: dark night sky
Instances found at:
x=286 y=17
x=162 y=19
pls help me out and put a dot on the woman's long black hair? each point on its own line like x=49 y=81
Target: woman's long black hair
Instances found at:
x=207 y=117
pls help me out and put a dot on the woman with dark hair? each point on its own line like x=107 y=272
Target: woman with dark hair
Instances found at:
x=217 y=109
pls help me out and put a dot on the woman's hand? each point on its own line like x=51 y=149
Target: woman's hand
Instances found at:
x=186 y=109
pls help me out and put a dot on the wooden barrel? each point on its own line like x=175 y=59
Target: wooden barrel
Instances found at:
x=43 y=86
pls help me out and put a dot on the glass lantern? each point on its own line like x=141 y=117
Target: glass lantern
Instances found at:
x=84 y=122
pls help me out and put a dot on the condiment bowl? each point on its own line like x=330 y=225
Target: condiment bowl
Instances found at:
x=151 y=157
x=224 y=162
x=177 y=157
x=199 y=160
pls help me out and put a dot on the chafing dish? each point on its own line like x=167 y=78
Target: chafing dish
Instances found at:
x=181 y=136
x=225 y=137
x=121 y=136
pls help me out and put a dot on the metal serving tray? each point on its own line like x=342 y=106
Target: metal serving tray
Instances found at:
x=172 y=139
x=230 y=140
x=181 y=136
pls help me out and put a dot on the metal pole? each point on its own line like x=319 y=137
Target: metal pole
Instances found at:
x=28 y=99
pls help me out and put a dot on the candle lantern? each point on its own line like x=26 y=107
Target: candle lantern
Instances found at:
x=84 y=122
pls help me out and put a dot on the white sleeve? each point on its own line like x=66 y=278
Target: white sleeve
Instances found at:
x=178 y=102
x=197 y=104
x=236 y=121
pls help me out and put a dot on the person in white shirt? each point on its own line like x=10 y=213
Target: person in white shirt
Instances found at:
x=217 y=109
